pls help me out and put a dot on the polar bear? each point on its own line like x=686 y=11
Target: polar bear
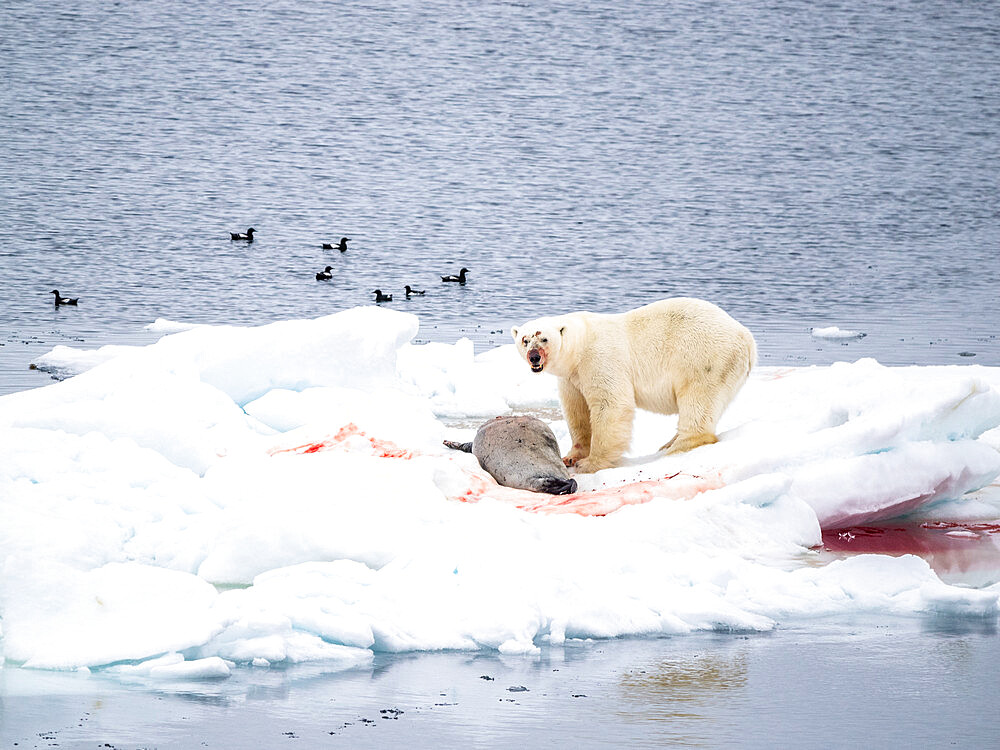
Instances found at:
x=681 y=356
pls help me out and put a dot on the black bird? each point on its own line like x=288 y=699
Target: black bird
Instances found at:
x=64 y=300
x=325 y=274
x=379 y=297
x=411 y=291
x=238 y=236
x=342 y=245
x=460 y=278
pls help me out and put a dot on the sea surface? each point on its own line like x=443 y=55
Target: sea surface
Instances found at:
x=842 y=685
x=801 y=164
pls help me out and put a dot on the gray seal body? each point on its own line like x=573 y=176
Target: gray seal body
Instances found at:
x=520 y=452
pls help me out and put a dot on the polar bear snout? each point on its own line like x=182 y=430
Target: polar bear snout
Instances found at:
x=536 y=360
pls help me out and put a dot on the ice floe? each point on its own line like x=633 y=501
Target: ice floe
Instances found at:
x=833 y=332
x=277 y=494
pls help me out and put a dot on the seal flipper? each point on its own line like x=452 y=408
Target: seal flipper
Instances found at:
x=465 y=447
x=553 y=485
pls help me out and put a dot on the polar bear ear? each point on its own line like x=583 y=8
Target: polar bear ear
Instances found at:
x=513 y=332
x=562 y=330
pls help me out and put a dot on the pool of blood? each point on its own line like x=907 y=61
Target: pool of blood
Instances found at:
x=959 y=552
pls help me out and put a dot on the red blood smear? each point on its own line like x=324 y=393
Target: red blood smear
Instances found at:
x=594 y=502
x=380 y=448
x=388 y=449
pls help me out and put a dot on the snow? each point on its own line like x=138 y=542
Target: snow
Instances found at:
x=280 y=494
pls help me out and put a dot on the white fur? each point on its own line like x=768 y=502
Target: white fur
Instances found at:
x=681 y=356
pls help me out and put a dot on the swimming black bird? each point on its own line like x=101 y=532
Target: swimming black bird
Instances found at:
x=460 y=278
x=238 y=236
x=64 y=300
x=379 y=297
x=342 y=245
x=325 y=274
x=411 y=291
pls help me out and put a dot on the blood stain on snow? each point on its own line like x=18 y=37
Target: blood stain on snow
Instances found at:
x=349 y=432
x=600 y=502
x=780 y=374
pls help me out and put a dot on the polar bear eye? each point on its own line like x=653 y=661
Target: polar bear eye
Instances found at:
x=524 y=341
x=545 y=341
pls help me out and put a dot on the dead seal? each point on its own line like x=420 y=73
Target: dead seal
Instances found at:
x=520 y=452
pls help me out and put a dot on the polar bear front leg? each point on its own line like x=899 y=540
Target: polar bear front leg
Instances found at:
x=611 y=420
x=577 y=415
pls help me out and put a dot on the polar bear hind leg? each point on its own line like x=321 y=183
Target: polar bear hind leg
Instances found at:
x=696 y=421
x=700 y=406
x=679 y=443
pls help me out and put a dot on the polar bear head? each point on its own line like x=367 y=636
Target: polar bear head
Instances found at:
x=539 y=342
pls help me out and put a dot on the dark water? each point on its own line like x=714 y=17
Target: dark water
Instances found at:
x=801 y=164
x=878 y=685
